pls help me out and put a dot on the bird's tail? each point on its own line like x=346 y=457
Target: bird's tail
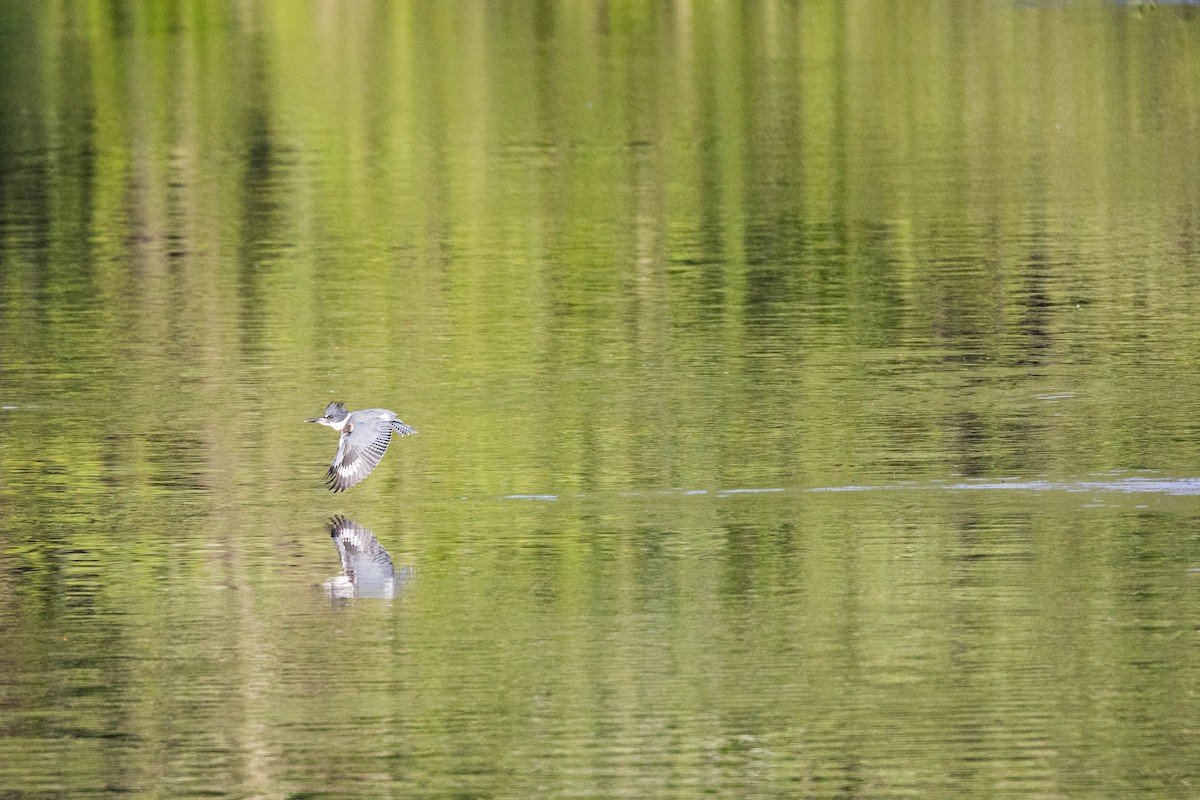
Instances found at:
x=402 y=429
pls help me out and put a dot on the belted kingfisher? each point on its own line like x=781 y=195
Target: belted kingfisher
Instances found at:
x=365 y=438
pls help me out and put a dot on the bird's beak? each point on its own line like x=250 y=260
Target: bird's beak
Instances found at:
x=318 y=419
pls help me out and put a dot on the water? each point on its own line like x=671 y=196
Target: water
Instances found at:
x=806 y=400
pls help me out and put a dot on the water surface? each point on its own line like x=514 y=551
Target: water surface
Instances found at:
x=807 y=400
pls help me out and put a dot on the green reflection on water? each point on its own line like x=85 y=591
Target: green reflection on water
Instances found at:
x=598 y=251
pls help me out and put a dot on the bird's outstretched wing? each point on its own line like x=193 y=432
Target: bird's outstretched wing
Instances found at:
x=366 y=565
x=361 y=553
x=360 y=450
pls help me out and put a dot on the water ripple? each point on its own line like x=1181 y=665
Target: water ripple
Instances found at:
x=1176 y=487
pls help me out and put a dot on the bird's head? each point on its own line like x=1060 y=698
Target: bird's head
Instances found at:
x=335 y=416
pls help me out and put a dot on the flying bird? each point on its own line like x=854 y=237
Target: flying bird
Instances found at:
x=365 y=438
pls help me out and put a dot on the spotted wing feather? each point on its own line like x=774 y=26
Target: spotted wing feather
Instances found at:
x=360 y=450
x=361 y=553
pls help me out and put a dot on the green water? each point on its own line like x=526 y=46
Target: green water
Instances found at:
x=808 y=399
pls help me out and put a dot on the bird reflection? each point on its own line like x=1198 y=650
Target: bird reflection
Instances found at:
x=367 y=570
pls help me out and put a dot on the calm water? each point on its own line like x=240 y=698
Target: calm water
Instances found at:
x=808 y=397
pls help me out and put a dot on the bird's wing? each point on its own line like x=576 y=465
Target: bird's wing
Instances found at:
x=358 y=453
x=364 y=559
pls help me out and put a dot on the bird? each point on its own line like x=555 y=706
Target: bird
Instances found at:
x=367 y=570
x=365 y=438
